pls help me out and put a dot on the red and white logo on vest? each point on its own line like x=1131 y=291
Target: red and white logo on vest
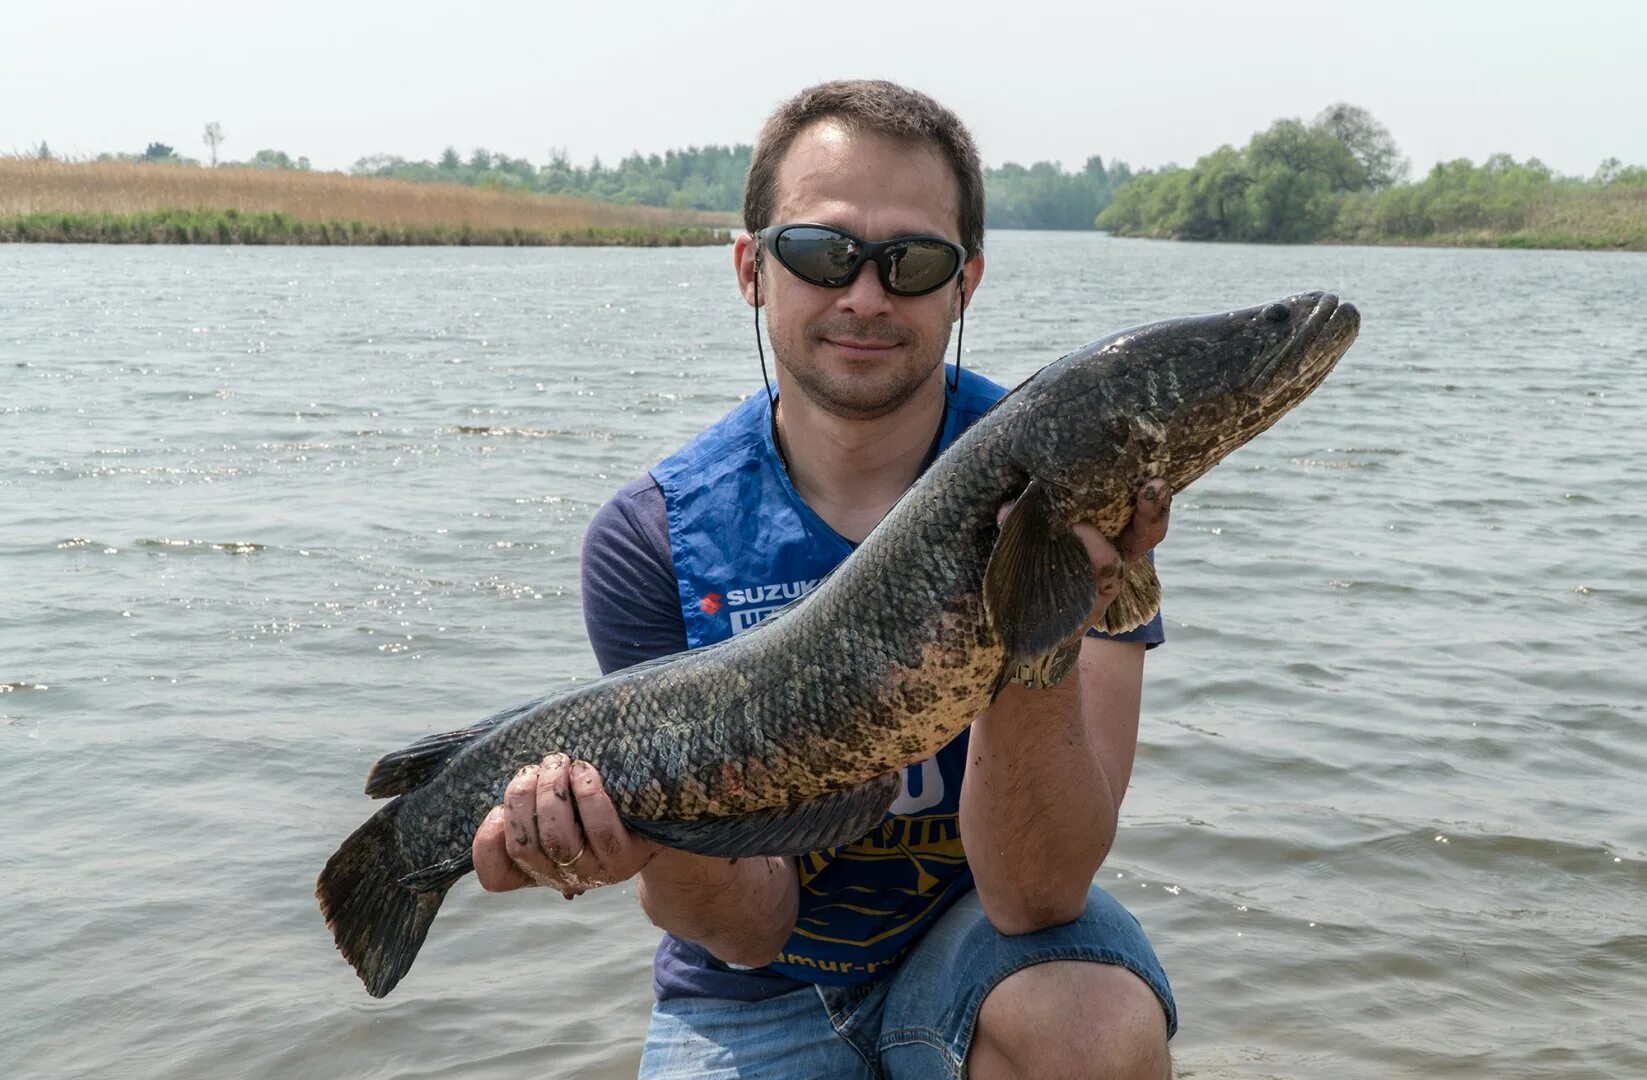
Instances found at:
x=747 y=606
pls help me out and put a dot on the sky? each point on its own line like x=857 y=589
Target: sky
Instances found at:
x=1145 y=83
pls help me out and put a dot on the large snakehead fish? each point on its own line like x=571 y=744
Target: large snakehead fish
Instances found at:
x=791 y=737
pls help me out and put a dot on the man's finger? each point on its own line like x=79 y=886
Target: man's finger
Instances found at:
x=494 y=869
x=520 y=823
x=601 y=825
x=557 y=835
x=1150 y=513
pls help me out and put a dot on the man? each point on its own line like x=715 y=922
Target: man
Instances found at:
x=963 y=935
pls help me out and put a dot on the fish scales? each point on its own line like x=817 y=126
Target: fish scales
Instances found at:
x=789 y=737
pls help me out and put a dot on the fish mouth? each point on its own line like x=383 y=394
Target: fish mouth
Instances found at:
x=1300 y=361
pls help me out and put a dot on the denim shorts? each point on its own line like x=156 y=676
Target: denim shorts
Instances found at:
x=914 y=1024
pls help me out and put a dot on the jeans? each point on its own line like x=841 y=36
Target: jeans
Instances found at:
x=913 y=1024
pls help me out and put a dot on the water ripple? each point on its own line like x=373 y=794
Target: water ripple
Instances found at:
x=1385 y=818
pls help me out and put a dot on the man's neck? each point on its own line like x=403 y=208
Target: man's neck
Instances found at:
x=850 y=472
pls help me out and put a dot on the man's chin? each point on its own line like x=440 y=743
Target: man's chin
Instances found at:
x=866 y=396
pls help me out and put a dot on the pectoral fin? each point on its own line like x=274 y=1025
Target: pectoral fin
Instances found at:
x=1038 y=588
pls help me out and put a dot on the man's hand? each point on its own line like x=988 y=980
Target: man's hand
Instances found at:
x=557 y=827
x=1148 y=527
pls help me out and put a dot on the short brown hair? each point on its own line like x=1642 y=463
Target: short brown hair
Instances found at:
x=878 y=107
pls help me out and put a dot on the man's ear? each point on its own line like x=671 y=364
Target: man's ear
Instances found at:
x=972 y=272
x=746 y=261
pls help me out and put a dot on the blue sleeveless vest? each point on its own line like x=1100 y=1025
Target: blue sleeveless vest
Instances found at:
x=744 y=544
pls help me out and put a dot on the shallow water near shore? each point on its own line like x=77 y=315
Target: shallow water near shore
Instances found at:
x=266 y=514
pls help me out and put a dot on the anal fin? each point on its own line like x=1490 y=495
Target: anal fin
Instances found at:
x=824 y=822
x=441 y=876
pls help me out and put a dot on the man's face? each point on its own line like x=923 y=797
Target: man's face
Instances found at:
x=860 y=352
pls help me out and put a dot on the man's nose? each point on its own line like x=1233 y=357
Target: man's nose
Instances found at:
x=865 y=296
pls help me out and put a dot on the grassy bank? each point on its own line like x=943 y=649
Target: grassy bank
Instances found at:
x=119 y=202
x=1565 y=215
x=234 y=227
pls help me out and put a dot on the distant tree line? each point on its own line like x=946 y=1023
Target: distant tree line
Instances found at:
x=158 y=153
x=697 y=178
x=1342 y=177
x=1042 y=196
x=1339 y=177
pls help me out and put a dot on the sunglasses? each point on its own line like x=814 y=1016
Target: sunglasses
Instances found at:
x=830 y=258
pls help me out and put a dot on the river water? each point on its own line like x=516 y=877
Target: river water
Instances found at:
x=268 y=513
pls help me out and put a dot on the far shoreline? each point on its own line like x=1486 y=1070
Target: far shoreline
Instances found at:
x=129 y=203
x=1457 y=242
x=232 y=228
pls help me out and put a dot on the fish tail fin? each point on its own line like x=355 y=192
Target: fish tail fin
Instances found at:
x=379 y=903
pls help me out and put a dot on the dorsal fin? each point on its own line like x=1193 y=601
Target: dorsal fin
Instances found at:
x=403 y=770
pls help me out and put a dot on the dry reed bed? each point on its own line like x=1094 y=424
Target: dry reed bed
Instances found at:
x=1607 y=218
x=1573 y=221
x=30 y=187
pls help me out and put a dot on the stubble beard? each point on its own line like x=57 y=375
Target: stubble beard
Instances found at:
x=880 y=391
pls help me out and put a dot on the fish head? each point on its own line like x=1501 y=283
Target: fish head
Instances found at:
x=1171 y=399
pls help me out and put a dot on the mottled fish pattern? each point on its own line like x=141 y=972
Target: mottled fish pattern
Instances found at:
x=791 y=737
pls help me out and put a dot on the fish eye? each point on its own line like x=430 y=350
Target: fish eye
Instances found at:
x=1278 y=312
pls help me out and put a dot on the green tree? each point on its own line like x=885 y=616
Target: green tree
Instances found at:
x=1611 y=173
x=1146 y=204
x=1297 y=173
x=276 y=159
x=1214 y=203
x=1368 y=141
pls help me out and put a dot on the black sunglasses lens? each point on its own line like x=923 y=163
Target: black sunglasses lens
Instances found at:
x=919 y=266
x=821 y=256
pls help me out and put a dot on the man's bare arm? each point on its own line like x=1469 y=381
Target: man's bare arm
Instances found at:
x=1046 y=773
x=1047 y=769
